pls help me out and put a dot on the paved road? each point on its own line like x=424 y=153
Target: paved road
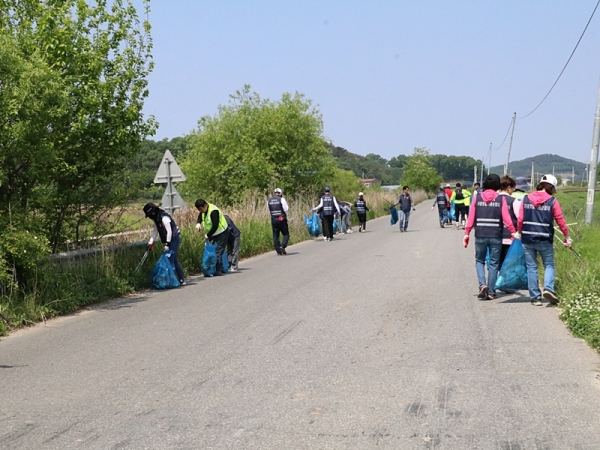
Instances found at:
x=373 y=340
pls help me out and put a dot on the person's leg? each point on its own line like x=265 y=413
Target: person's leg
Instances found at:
x=174 y=247
x=235 y=253
x=503 y=253
x=481 y=245
x=221 y=241
x=286 y=235
x=406 y=217
x=530 y=252
x=276 y=242
x=330 y=227
x=401 y=220
x=547 y=253
x=495 y=246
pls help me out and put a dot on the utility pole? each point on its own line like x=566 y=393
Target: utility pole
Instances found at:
x=589 y=206
x=481 y=177
x=510 y=145
x=474 y=174
x=489 y=158
x=532 y=177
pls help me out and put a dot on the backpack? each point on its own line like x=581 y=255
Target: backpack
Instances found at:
x=459 y=194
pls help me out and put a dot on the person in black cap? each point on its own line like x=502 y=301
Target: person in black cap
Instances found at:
x=487 y=215
x=278 y=209
x=168 y=231
x=328 y=207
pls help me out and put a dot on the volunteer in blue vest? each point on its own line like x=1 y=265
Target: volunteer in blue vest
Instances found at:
x=213 y=222
x=487 y=215
x=168 y=231
x=233 y=244
x=329 y=207
x=442 y=200
x=278 y=209
x=535 y=223
x=406 y=205
x=361 y=211
x=507 y=187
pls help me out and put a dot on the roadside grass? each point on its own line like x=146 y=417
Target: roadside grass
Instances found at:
x=578 y=280
x=62 y=286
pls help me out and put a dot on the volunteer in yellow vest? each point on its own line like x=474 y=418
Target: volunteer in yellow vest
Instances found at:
x=212 y=220
x=462 y=199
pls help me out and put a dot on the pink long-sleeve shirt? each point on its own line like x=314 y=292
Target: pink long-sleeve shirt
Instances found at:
x=537 y=198
x=488 y=196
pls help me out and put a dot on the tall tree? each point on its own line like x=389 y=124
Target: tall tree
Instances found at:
x=71 y=97
x=418 y=173
x=253 y=143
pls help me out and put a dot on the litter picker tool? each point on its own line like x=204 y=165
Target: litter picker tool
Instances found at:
x=570 y=248
x=142 y=261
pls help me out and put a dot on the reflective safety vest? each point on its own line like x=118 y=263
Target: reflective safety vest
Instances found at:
x=537 y=222
x=488 y=217
x=208 y=221
x=276 y=207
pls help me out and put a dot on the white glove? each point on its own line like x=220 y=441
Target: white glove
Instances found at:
x=198 y=226
x=166 y=249
x=568 y=242
x=517 y=235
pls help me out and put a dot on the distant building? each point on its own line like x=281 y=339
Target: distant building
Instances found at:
x=368 y=182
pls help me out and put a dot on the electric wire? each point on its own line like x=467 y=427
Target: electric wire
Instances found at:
x=566 y=64
x=504 y=140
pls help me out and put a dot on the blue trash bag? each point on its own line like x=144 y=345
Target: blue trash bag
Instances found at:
x=163 y=275
x=394 y=213
x=513 y=273
x=313 y=225
x=225 y=263
x=209 y=259
x=452 y=212
x=308 y=222
x=335 y=226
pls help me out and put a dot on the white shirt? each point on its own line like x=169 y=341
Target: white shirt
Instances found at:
x=167 y=223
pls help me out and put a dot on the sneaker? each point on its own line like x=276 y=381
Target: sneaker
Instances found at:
x=483 y=291
x=536 y=302
x=278 y=251
x=360 y=229
x=491 y=297
x=283 y=252
x=182 y=282
x=550 y=296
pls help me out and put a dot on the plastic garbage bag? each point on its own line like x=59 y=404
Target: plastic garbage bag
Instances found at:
x=513 y=273
x=209 y=259
x=394 y=217
x=313 y=225
x=225 y=263
x=452 y=212
x=163 y=275
x=335 y=226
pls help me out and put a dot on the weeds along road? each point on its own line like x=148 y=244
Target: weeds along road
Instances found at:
x=374 y=340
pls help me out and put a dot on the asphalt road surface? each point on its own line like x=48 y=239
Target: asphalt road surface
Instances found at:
x=373 y=340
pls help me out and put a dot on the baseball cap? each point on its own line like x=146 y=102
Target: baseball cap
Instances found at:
x=522 y=184
x=149 y=209
x=447 y=185
x=360 y=194
x=549 y=179
x=326 y=189
x=277 y=191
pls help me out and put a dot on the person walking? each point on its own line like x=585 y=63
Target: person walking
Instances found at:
x=361 y=211
x=521 y=189
x=345 y=218
x=278 y=209
x=406 y=205
x=461 y=200
x=507 y=186
x=328 y=207
x=442 y=200
x=477 y=188
x=488 y=213
x=539 y=210
x=168 y=231
x=212 y=220
x=448 y=191
x=233 y=244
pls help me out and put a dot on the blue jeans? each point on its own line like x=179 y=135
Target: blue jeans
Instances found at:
x=174 y=247
x=443 y=215
x=482 y=244
x=546 y=252
x=404 y=215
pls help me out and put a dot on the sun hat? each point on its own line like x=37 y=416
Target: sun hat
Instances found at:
x=360 y=194
x=277 y=191
x=549 y=179
x=522 y=184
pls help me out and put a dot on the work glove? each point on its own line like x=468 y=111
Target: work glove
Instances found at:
x=198 y=226
x=432 y=207
x=150 y=245
x=517 y=235
x=466 y=241
x=166 y=249
x=206 y=237
x=568 y=242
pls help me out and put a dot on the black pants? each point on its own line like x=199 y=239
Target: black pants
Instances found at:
x=328 y=226
x=221 y=241
x=362 y=220
x=280 y=227
x=460 y=211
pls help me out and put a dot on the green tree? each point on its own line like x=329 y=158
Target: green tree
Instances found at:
x=71 y=96
x=419 y=173
x=257 y=144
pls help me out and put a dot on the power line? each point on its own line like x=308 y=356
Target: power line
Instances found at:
x=504 y=140
x=566 y=64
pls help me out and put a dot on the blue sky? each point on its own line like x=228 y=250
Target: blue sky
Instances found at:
x=389 y=76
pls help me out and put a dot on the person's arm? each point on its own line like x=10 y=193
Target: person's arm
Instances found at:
x=453 y=196
x=337 y=206
x=153 y=236
x=560 y=220
x=520 y=218
x=366 y=208
x=470 y=219
x=447 y=198
x=167 y=223
x=284 y=205
x=214 y=217
x=320 y=205
x=412 y=202
x=506 y=217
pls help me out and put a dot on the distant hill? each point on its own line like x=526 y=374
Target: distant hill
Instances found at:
x=542 y=164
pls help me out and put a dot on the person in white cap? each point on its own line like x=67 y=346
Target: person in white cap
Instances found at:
x=278 y=209
x=361 y=211
x=535 y=227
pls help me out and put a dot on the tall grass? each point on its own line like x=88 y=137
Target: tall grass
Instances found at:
x=61 y=286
